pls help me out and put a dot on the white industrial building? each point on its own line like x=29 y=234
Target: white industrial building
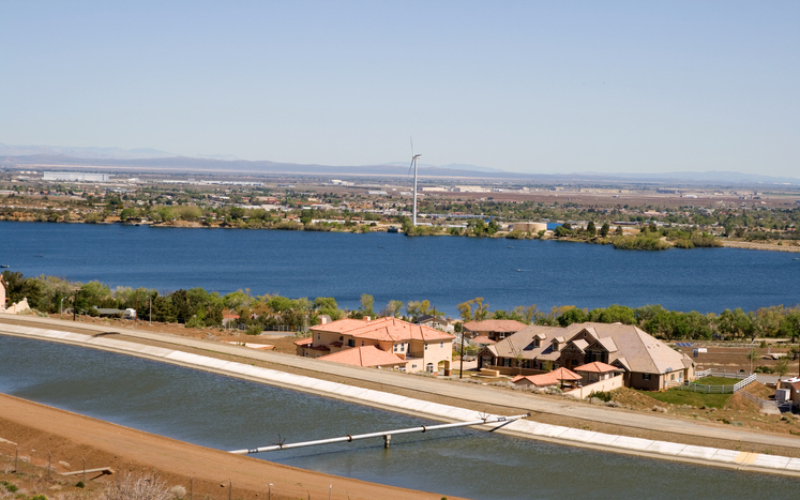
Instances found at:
x=75 y=177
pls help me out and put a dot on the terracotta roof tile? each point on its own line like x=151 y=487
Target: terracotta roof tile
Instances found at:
x=482 y=339
x=596 y=367
x=495 y=325
x=364 y=356
x=386 y=329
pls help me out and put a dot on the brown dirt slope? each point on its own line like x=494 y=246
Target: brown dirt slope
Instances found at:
x=38 y=430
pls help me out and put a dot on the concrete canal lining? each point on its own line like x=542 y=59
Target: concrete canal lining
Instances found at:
x=520 y=428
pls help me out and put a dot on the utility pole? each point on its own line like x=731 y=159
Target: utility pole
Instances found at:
x=461 y=370
x=75 y=306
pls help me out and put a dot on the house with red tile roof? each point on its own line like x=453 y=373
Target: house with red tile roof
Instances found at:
x=596 y=371
x=367 y=356
x=550 y=379
x=418 y=347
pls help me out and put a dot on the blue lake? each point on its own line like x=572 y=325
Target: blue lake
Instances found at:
x=444 y=270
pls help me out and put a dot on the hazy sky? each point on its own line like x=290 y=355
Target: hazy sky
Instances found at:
x=640 y=86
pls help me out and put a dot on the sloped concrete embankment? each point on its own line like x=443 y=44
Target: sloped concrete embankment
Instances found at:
x=520 y=428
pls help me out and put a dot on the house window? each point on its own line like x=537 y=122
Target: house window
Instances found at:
x=362 y=343
x=351 y=343
x=394 y=347
x=645 y=376
x=413 y=366
x=402 y=347
x=319 y=336
x=426 y=347
x=441 y=345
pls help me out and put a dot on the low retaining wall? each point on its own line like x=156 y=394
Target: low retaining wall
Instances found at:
x=521 y=428
x=606 y=385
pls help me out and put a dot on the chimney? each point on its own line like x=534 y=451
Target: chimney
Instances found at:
x=367 y=318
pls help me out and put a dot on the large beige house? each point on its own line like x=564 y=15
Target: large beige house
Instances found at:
x=646 y=362
x=2 y=294
x=416 y=347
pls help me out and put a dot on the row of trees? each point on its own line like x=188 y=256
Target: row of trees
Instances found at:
x=775 y=321
x=198 y=308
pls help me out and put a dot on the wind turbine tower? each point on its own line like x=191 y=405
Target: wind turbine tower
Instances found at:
x=414 y=207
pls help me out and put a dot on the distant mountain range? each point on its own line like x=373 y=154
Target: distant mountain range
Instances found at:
x=153 y=160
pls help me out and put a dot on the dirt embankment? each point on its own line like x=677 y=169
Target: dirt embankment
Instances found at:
x=787 y=246
x=37 y=430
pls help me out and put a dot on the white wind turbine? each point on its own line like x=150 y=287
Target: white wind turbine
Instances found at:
x=414 y=193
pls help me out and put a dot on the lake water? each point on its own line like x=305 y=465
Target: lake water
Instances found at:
x=227 y=413
x=444 y=270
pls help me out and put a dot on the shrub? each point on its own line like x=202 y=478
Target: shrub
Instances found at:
x=604 y=396
x=144 y=487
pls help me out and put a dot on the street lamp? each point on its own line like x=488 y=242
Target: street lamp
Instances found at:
x=270 y=491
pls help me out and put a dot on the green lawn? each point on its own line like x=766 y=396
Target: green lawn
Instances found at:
x=676 y=397
x=718 y=381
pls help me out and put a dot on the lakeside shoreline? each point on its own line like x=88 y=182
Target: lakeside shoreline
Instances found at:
x=637 y=443
x=792 y=247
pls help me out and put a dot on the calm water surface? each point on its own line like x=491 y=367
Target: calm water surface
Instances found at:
x=226 y=413
x=444 y=270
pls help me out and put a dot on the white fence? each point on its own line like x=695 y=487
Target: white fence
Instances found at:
x=718 y=389
x=744 y=383
x=711 y=372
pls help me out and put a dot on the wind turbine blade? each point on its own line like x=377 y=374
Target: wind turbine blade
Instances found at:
x=410 y=167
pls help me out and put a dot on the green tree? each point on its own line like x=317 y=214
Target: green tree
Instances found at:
x=367 y=302
x=604 y=229
x=465 y=310
x=782 y=366
x=394 y=307
x=572 y=315
x=591 y=230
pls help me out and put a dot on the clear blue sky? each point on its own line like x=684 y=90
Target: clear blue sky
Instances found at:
x=639 y=86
